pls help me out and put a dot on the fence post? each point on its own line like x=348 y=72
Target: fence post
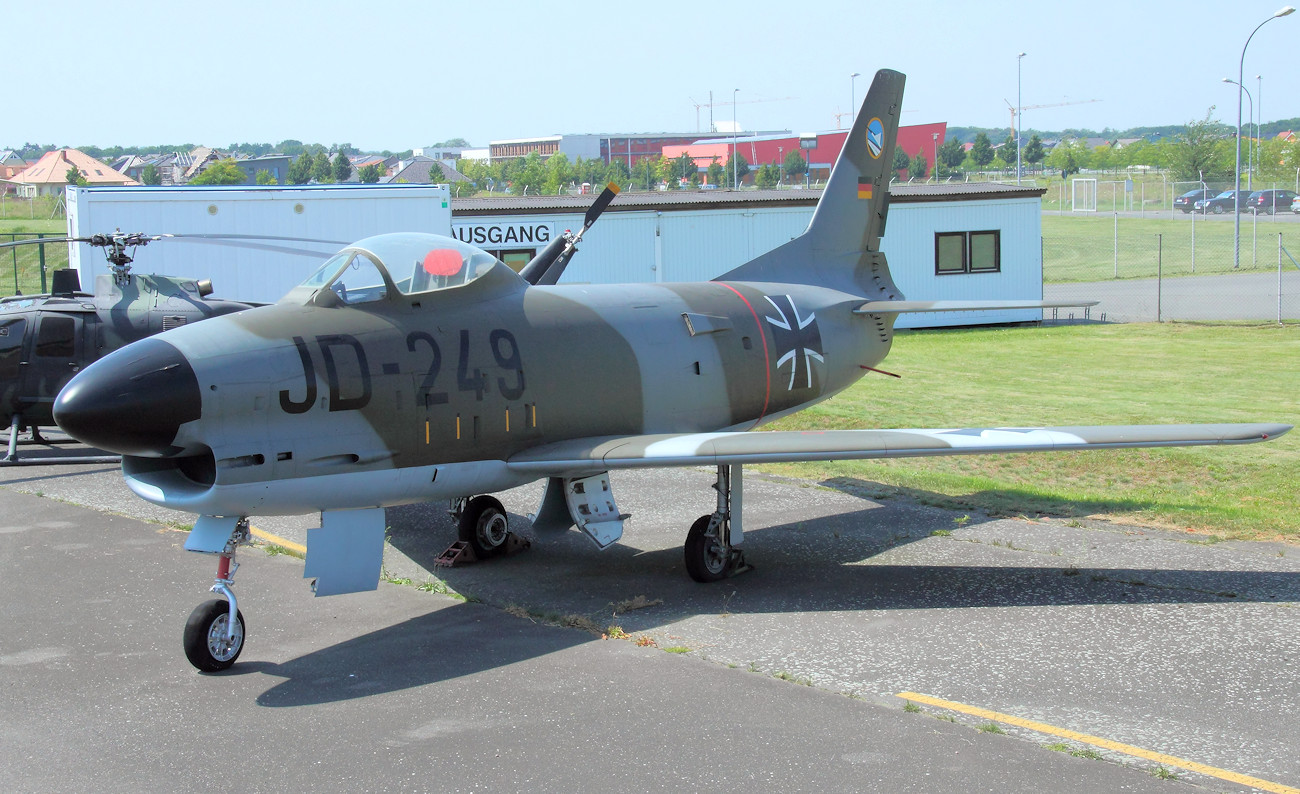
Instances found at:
x=1160 y=274
x=1279 y=278
x=1193 y=239
x=15 y=253
x=1115 y=245
x=41 y=250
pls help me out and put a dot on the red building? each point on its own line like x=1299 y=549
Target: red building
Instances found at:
x=760 y=149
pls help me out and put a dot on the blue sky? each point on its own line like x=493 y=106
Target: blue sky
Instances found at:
x=394 y=75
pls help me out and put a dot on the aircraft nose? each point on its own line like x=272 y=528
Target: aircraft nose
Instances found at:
x=132 y=401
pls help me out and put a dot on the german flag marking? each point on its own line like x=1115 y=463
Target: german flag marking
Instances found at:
x=864 y=188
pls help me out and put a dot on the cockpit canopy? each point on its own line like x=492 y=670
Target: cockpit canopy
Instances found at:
x=408 y=262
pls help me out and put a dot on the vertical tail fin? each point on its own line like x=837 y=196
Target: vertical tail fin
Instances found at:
x=842 y=242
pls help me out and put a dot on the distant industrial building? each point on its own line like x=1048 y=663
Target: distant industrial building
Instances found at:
x=819 y=149
x=629 y=148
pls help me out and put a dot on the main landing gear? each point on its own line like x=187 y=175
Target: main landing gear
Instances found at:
x=482 y=524
x=214 y=634
x=711 y=545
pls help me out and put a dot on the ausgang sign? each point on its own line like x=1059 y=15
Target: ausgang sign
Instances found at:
x=502 y=233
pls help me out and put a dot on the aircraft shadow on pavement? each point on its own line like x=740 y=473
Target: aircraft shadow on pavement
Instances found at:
x=822 y=564
x=448 y=643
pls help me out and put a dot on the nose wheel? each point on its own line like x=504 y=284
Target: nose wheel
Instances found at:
x=214 y=633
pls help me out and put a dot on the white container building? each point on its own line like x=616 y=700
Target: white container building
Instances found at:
x=965 y=241
x=257 y=270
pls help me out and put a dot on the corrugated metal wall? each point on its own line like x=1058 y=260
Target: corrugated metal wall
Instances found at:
x=697 y=245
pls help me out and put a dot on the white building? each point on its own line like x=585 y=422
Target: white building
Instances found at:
x=960 y=241
x=239 y=256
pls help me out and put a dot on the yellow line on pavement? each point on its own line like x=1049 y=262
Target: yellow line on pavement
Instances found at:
x=1127 y=749
x=279 y=541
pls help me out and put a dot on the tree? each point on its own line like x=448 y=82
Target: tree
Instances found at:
x=300 y=169
x=1197 y=153
x=74 y=177
x=917 y=169
x=982 y=151
x=453 y=143
x=737 y=169
x=1033 y=151
x=952 y=153
x=901 y=161
x=321 y=168
x=342 y=167
x=1067 y=157
x=222 y=172
x=150 y=175
x=684 y=167
x=795 y=165
x=264 y=177
x=716 y=174
x=370 y=174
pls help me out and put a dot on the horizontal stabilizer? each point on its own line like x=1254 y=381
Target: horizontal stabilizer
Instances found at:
x=907 y=307
x=784 y=446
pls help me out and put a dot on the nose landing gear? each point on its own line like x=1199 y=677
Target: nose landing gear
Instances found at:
x=214 y=633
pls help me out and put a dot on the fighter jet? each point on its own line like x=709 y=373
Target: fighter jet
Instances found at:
x=413 y=367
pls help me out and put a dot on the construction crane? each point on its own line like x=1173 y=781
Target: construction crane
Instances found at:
x=711 y=105
x=1012 y=108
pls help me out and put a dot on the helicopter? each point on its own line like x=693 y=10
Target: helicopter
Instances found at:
x=46 y=339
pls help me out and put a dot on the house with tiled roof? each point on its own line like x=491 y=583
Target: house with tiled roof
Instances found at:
x=49 y=175
x=11 y=164
x=424 y=171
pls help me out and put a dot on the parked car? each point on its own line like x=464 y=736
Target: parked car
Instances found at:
x=1268 y=201
x=1295 y=205
x=1187 y=201
x=1219 y=204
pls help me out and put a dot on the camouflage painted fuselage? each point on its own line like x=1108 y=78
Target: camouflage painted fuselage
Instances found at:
x=414 y=384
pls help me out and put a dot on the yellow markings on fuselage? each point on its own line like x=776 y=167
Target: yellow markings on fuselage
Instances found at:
x=533 y=411
x=458 y=427
x=507 y=419
x=1097 y=741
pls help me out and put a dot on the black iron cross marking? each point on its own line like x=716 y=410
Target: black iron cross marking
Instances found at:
x=798 y=337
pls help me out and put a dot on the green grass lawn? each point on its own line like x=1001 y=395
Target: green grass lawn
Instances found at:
x=1114 y=374
x=1082 y=247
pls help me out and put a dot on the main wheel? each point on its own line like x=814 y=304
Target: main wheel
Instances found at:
x=207 y=644
x=707 y=559
x=484 y=527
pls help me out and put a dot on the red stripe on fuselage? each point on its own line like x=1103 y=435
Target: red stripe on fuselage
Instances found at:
x=767 y=360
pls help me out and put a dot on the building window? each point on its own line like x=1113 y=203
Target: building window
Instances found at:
x=967 y=252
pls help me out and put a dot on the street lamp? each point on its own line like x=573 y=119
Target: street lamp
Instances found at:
x=1236 y=198
x=853 y=94
x=934 y=173
x=1259 y=119
x=735 y=166
x=1019 y=121
x=1252 y=115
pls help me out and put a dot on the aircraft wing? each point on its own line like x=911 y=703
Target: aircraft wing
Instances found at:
x=697 y=449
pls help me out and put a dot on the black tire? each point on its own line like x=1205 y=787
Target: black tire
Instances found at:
x=205 y=636
x=483 y=525
x=707 y=560
x=1218 y=209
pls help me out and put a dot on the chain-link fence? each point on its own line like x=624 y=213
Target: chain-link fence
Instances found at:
x=1155 y=266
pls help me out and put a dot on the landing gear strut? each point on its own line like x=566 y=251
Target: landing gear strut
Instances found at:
x=214 y=634
x=711 y=545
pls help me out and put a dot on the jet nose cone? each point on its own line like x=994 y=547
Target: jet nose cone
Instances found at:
x=132 y=401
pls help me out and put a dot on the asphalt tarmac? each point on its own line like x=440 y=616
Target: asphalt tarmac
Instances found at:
x=786 y=677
